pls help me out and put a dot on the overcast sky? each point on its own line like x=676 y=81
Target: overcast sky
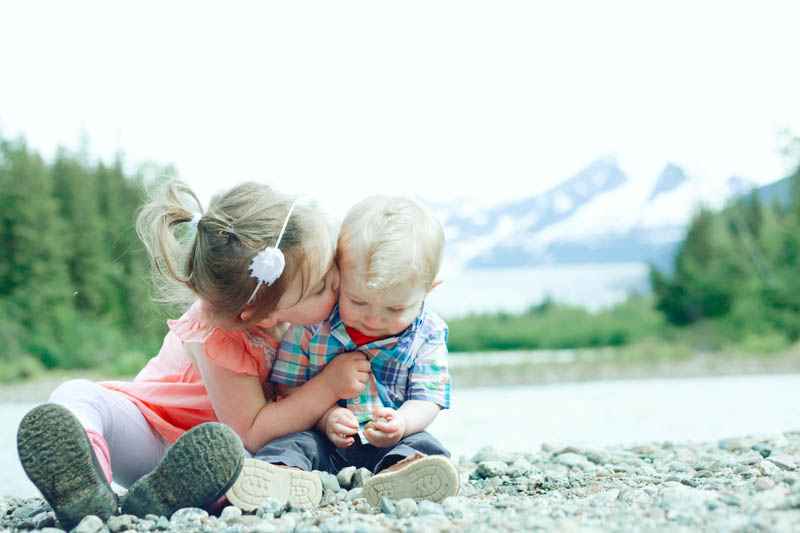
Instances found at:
x=490 y=100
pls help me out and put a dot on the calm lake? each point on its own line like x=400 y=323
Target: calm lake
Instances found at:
x=593 y=286
x=589 y=414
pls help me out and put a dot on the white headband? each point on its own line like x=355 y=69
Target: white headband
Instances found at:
x=267 y=265
x=195 y=220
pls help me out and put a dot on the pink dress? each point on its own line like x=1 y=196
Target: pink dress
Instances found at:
x=169 y=390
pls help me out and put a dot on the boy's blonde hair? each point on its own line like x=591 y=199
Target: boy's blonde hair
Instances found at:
x=213 y=262
x=392 y=240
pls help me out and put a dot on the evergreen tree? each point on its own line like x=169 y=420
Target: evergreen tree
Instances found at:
x=34 y=276
x=83 y=238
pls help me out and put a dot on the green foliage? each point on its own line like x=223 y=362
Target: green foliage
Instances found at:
x=552 y=326
x=74 y=290
x=739 y=269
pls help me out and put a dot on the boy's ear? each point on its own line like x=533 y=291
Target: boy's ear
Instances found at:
x=433 y=286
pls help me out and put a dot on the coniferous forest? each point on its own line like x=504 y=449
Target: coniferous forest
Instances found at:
x=75 y=286
x=74 y=277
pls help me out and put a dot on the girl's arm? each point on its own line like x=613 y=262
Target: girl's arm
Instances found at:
x=238 y=399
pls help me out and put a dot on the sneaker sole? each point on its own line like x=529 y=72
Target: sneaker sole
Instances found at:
x=260 y=480
x=196 y=471
x=430 y=478
x=58 y=458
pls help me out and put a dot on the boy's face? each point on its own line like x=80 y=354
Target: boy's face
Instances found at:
x=376 y=313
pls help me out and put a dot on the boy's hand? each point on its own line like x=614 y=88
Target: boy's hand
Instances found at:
x=340 y=426
x=347 y=374
x=387 y=433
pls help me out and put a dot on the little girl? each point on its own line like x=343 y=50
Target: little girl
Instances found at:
x=252 y=262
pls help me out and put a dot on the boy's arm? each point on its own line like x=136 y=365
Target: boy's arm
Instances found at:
x=418 y=415
x=428 y=381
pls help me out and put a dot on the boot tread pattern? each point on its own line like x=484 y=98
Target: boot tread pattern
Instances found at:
x=430 y=478
x=58 y=458
x=260 y=480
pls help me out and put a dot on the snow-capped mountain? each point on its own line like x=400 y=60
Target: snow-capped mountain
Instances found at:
x=601 y=214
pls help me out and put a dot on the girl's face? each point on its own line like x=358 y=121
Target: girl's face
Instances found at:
x=316 y=304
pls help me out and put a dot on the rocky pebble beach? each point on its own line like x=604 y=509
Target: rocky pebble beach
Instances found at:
x=745 y=484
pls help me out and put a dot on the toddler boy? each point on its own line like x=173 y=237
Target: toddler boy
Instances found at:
x=389 y=253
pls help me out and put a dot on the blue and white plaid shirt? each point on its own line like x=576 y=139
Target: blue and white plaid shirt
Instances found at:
x=409 y=366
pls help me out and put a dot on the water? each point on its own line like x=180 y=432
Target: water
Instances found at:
x=588 y=414
x=594 y=286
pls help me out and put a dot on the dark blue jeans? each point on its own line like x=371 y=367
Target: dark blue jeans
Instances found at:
x=311 y=450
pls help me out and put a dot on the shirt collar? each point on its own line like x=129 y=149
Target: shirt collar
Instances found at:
x=401 y=339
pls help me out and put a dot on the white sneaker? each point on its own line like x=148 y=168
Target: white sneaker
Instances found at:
x=421 y=477
x=260 y=480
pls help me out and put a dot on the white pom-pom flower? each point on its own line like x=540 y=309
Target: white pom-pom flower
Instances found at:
x=267 y=265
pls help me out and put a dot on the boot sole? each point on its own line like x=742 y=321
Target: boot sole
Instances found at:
x=260 y=480
x=430 y=478
x=196 y=471
x=58 y=458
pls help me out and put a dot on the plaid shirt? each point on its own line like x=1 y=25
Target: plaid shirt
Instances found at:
x=409 y=366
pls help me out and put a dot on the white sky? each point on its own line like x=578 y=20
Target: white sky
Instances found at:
x=488 y=100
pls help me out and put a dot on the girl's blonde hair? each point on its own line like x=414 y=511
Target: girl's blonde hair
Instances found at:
x=213 y=263
x=392 y=240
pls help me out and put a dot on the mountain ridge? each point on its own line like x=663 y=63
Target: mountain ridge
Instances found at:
x=599 y=214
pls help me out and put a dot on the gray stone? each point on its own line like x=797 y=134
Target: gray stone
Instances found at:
x=329 y=497
x=345 y=477
x=486 y=453
x=163 y=523
x=783 y=461
x=572 y=459
x=751 y=458
x=89 y=524
x=360 y=476
x=456 y=507
x=248 y=520
x=605 y=498
x=120 y=523
x=388 y=507
x=764 y=483
x=768 y=468
x=263 y=526
x=406 y=507
x=43 y=519
x=427 y=507
x=763 y=449
x=52 y=530
x=329 y=481
x=681 y=498
x=353 y=494
x=188 y=518
x=598 y=457
x=270 y=508
x=492 y=468
x=27 y=511
x=230 y=513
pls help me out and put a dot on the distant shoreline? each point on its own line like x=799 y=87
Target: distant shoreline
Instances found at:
x=513 y=368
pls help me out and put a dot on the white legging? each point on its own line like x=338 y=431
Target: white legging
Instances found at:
x=135 y=448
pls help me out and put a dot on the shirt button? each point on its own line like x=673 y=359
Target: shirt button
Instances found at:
x=357 y=400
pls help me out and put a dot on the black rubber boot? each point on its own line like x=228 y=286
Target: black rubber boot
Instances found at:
x=58 y=458
x=197 y=470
